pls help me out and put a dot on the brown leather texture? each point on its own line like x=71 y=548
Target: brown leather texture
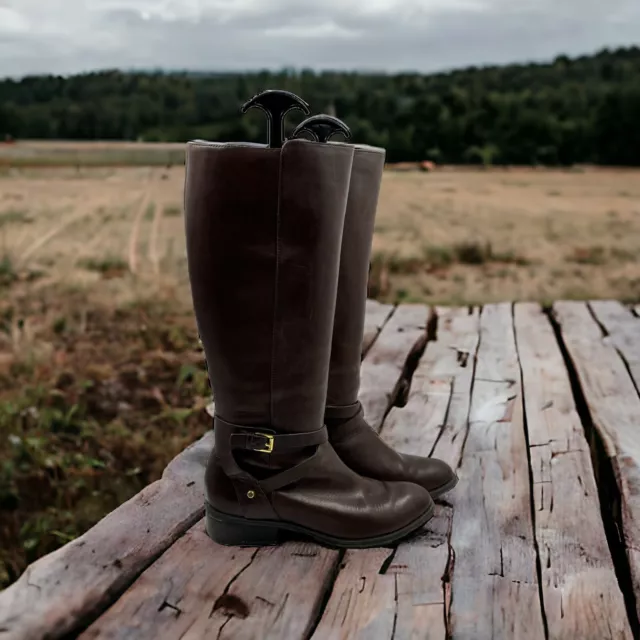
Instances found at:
x=334 y=499
x=263 y=231
x=354 y=440
x=231 y=200
x=362 y=449
x=346 y=345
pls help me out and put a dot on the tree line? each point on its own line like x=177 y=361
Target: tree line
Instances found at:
x=571 y=110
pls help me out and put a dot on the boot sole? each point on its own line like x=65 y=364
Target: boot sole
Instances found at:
x=234 y=531
x=445 y=488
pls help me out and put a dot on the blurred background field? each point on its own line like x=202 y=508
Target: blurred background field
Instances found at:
x=56 y=153
x=450 y=236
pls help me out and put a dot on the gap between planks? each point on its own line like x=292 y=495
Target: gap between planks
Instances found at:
x=493 y=570
x=600 y=338
x=581 y=594
x=382 y=593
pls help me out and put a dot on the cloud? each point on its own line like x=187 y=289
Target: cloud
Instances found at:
x=68 y=36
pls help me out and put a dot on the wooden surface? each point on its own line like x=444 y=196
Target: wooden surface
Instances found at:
x=614 y=406
x=575 y=560
x=540 y=414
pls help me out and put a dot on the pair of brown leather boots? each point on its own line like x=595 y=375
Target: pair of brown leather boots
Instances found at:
x=278 y=245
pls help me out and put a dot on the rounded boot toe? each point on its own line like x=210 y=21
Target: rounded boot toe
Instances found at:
x=409 y=503
x=435 y=475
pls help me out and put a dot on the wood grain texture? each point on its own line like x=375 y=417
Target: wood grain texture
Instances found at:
x=71 y=586
x=199 y=589
x=580 y=590
x=614 y=406
x=404 y=334
x=382 y=594
x=422 y=569
x=623 y=329
x=495 y=592
x=437 y=410
x=376 y=316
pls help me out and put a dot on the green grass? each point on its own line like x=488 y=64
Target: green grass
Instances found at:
x=78 y=157
x=15 y=216
x=90 y=421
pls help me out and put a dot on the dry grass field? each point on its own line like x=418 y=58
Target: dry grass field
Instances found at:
x=476 y=237
x=101 y=378
x=454 y=237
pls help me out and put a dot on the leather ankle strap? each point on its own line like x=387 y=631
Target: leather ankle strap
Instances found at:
x=264 y=440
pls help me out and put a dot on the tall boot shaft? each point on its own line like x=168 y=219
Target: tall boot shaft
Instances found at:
x=352 y=438
x=264 y=231
x=344 y=372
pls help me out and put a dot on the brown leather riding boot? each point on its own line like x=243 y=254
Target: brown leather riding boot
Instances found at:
x=264 y=230
x=357 y=444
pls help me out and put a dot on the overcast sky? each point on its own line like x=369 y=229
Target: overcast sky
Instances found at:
x=68 y=36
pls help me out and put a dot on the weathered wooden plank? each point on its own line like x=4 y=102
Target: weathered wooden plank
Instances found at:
x=624 y=332
x=363 y=600
x=384 y=594
x=167 y=598
x=437 y=410
x=422 y=568
x=409 y=599
x=375 y=318
x=403 y=335
x=70 y=587
x=199 y=589
x=614 y=406
x=580 y=590
x=495 y=591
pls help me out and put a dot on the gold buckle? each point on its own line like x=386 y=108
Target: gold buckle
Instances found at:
x=269 y=446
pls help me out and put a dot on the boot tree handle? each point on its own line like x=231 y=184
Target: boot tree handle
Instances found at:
x=322 y=127
x=276 y=104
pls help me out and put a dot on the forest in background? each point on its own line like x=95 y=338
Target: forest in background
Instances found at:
x=580 y=110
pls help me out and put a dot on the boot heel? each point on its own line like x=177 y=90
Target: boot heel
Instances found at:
x=239 y=534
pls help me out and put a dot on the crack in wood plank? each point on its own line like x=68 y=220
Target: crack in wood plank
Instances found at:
x=579 y=588
x=376 y=316
x=381 y=376
x=494 y=585
x=387 y=593
x=223 y=592
x=611 y=407
x=435 y=416
x=421 y=567
x=622 y=332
